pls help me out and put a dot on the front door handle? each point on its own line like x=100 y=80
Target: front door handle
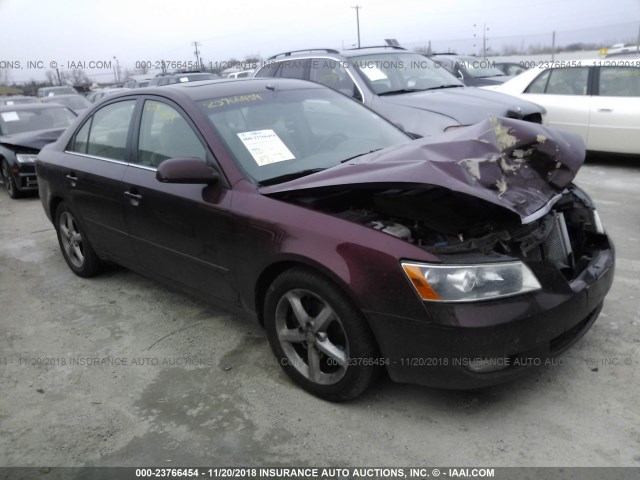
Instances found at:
x=72 y=178
x=133 y=195
x=607 y=110
x=134 y=198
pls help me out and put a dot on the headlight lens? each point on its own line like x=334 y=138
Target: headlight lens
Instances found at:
x=26 y=157
x=470 y=283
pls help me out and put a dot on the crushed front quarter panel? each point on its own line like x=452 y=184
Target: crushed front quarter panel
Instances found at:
x=521 y=166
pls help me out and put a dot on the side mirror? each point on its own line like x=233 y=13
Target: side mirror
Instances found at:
x=186 y=170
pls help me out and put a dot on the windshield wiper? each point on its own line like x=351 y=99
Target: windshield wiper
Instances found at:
x=289 y=176
x=360 y=155
x=402 y=90
x=450 y=85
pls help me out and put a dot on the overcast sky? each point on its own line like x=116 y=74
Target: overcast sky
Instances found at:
x=150 y=30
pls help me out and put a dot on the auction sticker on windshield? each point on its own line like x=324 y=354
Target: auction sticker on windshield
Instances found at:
x=10 y=116
x=265 y=147
x=373 y=73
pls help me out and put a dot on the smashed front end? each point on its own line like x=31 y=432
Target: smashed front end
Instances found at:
x=521 y=262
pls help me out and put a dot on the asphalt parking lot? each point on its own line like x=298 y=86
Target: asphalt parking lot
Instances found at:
x=190 y=385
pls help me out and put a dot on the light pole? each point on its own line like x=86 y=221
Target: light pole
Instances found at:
x=357 y=8
x=116 y=70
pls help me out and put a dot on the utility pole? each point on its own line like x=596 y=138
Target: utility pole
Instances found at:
x=197 y=54
x=553 y=46
x=116 y=67
x=59 y=79
x=484 y=39
x=357 y=8
x=485 y=29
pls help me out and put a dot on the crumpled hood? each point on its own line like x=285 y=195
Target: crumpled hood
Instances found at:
x=468 y=105
x=36 y=139
x=518 y=165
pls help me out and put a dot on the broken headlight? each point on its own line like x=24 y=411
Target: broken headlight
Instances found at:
x=470 y=283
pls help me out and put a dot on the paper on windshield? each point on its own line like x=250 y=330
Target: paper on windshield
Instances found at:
x=265 y=147
x=373 y=73
x=10 y=116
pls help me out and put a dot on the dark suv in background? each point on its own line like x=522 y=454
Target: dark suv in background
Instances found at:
x=409 y=89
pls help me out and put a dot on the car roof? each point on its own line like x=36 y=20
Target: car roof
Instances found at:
x=29 y=106
x=204 y=89
x=59 y=87
x=350 y=52
x=58 y=97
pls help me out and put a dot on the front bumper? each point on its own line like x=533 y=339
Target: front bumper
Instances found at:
x=525 y=330
x=26 y=178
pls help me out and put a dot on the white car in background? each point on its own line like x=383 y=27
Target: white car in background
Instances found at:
x=597 y=99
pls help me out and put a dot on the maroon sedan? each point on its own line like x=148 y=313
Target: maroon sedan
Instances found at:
x=456 y=262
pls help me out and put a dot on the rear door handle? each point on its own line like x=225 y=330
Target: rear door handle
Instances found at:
x=605 y=109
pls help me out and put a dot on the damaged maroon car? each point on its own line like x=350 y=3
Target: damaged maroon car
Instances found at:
x=457 y=262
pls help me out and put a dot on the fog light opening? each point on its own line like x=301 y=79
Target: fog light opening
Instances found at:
x=487 y=365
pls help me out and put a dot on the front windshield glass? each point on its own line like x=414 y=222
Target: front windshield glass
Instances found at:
x=74 y=103
x=394 y=72
x=480 y=68
x=278 y=135
x=19 y=121
x=17 y=100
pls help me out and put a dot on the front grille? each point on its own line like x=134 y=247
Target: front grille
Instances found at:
x=557 y=246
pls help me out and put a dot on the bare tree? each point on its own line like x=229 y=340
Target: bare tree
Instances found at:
x=76 y=76
x=125 y=75
x=4 y=76
x=52 y=78
x=424 y=50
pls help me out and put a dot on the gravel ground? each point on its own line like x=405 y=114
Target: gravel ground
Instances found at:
x=192 y=385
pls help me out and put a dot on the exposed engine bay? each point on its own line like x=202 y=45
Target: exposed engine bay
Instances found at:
x=447 y=223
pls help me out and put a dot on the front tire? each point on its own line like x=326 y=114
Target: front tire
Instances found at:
x=320 y=339
x=9 y=182
x=75 y=246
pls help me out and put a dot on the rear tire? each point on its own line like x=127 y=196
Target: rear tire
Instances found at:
x=75 y=246
x=320 y=339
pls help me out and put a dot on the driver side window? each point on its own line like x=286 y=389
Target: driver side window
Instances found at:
x=164 y=134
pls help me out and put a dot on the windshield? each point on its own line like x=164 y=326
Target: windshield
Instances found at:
x=17 y=100
x=19 y=121
x=295 y=132
x=50 y=92
x=480 y=68
x=394 y=72
x=74 y=103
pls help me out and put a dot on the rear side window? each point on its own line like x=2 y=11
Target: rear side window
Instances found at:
x=294 y=68
x=269 y=70
x=619 y=82
x=333 y=74
x=561 y=81
x=164 y=133
x=105 y=133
